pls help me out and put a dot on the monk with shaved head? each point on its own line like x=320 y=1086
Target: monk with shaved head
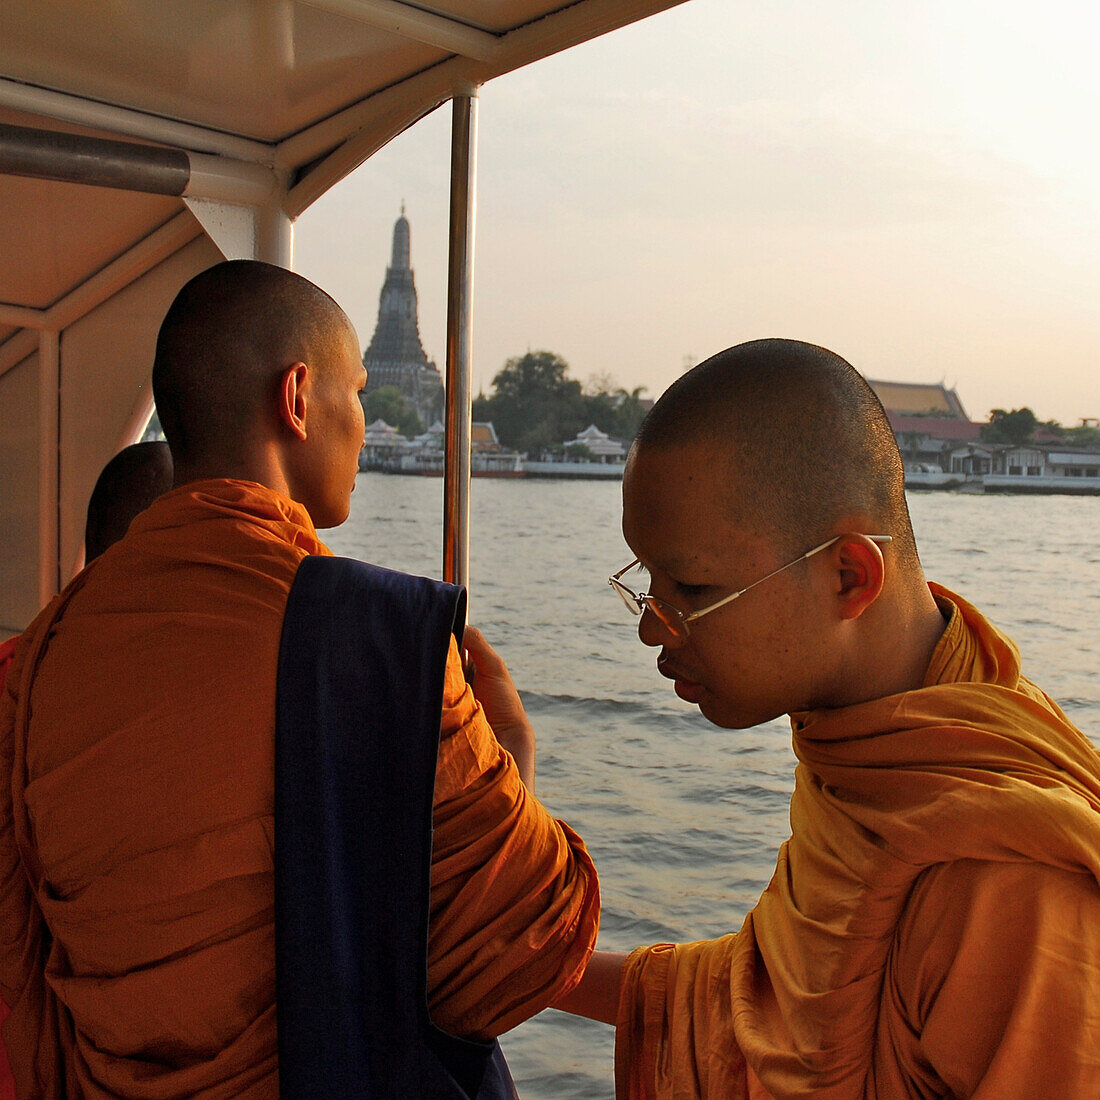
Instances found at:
x=233 y=766
x=933 y=924
x=778 y=447
x=228 y=403
x=127 y=485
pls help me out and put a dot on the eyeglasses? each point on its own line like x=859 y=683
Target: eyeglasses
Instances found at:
x=676 y=621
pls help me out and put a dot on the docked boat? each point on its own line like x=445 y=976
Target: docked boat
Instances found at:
x=481 y=465
x=925 y=477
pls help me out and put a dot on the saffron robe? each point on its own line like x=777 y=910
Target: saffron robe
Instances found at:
x=7 y=1082
x=7 y=652
x=933 y=924
x=137 y=800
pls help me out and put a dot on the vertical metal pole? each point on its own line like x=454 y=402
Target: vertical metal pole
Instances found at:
x=460 y=285
x=49 y=471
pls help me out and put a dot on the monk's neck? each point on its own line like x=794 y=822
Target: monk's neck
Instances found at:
x=889 y=653
x=907 y=636
x=262 y=468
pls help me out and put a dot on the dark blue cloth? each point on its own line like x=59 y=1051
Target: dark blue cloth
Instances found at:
x=361 y=668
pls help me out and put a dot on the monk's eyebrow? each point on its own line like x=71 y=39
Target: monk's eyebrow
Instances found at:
x=674 y=566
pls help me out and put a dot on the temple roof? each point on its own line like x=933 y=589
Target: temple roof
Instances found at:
x=483 y=434
x=919 y=399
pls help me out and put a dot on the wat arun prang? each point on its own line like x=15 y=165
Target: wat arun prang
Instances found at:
x=395 y=356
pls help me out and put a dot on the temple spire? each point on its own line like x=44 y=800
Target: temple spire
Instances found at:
x=395 y=356
x=399 y=258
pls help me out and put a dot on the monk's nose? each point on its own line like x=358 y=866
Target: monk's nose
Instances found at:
x=653 y=632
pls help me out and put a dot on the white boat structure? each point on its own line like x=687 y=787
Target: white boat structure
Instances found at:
x=592 y=455
x=138 y=147
x=387 y=451
x=920 y=476
x=1009 y=469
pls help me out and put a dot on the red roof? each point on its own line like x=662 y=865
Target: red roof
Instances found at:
x=936 y=427
x=1043 y=434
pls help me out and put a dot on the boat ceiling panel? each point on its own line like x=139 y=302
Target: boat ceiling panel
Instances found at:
x=263 y=70
x=75 y=232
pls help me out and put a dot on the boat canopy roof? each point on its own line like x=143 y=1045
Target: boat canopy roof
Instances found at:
x=141 y=142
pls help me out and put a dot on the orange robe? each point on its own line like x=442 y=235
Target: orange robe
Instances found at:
x=140 y=960
x=7 y=1082
x=7 y=652
x=933 y=924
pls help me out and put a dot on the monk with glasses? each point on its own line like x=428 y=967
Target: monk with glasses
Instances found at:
x=933 y=924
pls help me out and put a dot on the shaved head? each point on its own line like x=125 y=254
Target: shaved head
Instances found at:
x=129 y=483
x=228 y=336
x=800 y=434
x=767 y=472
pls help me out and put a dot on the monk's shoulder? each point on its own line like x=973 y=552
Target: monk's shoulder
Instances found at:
x=981 y=920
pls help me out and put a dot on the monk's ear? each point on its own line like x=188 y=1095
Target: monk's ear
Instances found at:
x=294 y=398
x=860 y=573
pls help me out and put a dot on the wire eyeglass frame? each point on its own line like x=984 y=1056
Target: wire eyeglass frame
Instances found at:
x=676 y=621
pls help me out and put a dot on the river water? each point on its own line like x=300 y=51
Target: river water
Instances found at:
x=684 y=819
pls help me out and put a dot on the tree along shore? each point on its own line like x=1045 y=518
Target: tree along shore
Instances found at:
x=535 y=407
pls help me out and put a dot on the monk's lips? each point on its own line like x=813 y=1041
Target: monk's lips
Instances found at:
x=689 y=690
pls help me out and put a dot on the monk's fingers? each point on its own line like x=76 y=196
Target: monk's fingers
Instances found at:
x=482 y=655
x=493 y=686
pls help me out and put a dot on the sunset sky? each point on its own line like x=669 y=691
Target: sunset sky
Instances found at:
x=916 y=187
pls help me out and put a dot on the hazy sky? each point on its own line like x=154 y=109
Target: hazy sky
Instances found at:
x=916 y=187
